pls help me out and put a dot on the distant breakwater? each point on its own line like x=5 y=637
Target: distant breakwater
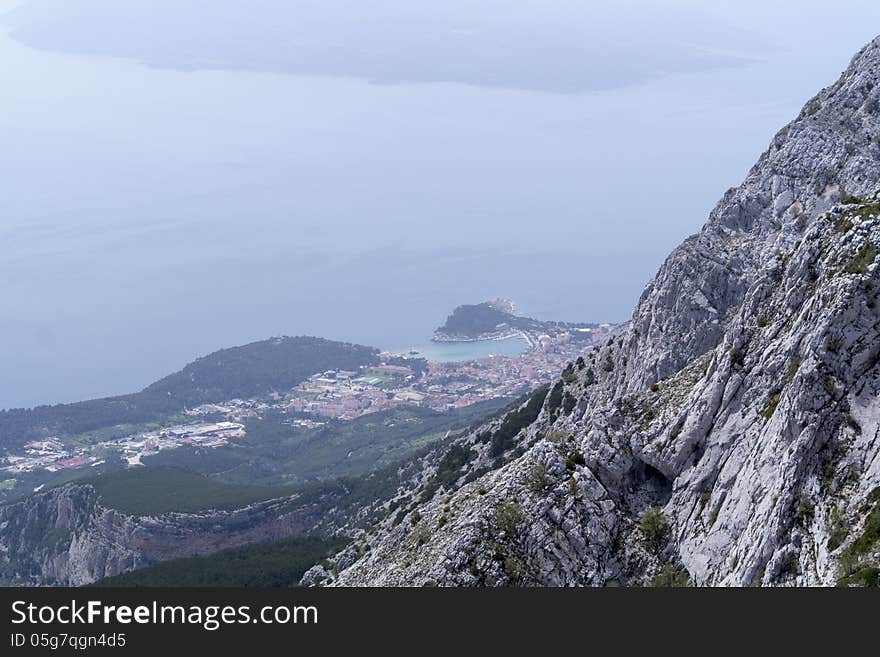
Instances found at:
x=483 y=337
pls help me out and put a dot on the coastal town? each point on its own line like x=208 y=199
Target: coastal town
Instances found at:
x=440 y=386
x=338 y=395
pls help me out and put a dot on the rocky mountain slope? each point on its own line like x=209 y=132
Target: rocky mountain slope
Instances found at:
x=731 y=436
x=67 y=537
x=90 y=529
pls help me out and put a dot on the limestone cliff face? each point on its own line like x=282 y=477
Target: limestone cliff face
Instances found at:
x=65 y=536
x=741 y=406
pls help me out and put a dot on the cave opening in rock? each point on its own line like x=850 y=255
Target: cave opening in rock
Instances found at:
x=655 y=485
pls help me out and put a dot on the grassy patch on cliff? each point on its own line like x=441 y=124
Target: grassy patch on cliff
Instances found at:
x=671 y=577
x=871 y=534
x=858 y=565
x=275 y=564
x=868 y=577
x=152 y=491
x=862 y=260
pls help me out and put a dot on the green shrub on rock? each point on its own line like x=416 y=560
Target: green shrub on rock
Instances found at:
x=508 y=517
x=654 y=528
x=671 y=577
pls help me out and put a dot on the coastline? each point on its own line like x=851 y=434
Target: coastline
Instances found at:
x=443 y=338
x=449 y=351
x=483 y=337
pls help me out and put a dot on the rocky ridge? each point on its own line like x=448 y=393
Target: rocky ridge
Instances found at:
x=731 y=435
x=67 y=537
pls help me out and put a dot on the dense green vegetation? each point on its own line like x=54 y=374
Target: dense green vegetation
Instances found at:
x=273 y=564
x=554 y=401
x=449 y=469
x=515 y=421
x=151 y=491
x=471 y=321
x=157 y=489
x=275 y=452
x=474 y=320
x=248 y=371
x=259 y=368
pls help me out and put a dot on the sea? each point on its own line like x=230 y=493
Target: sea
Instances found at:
x=149 y=216
x=449 y=352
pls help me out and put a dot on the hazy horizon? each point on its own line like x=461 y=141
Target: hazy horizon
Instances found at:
x=180 y=181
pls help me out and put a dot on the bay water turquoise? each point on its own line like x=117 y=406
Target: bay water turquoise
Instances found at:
x=448 y=352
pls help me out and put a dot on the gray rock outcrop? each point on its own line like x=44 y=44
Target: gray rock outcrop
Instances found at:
x=66 y=536
x=730 y=436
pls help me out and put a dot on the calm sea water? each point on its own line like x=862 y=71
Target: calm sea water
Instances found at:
x=445 y=352
x=151 y=216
